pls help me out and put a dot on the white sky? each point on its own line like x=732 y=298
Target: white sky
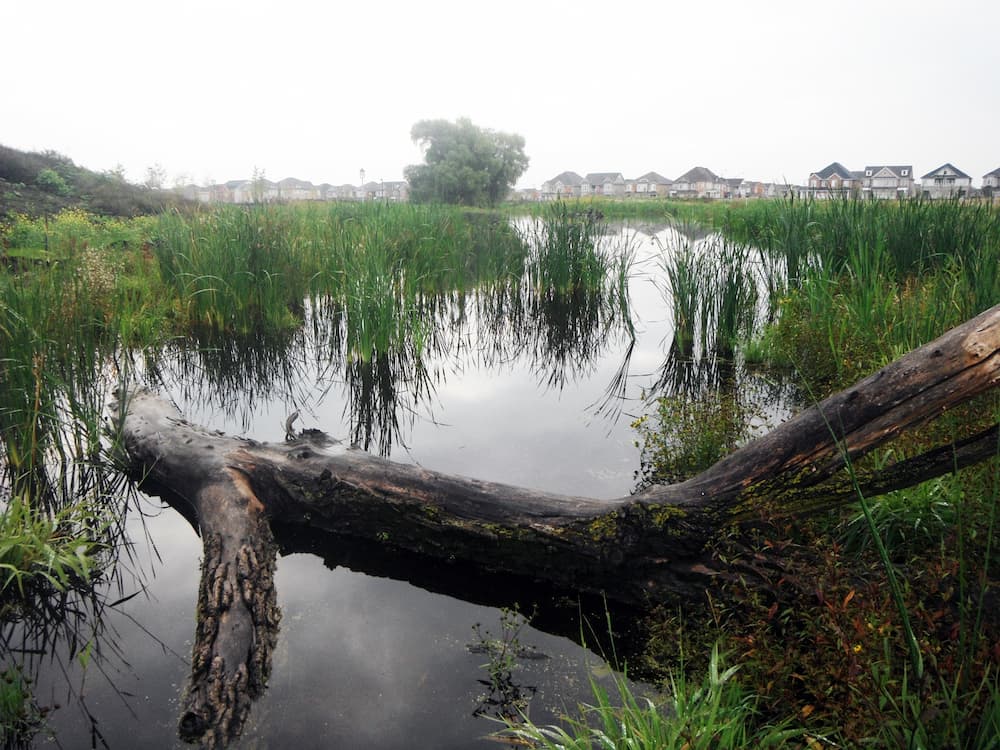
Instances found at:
x=318 y=90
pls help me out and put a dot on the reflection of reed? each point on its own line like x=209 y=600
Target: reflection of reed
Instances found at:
x=389 y=345
x=235 y=373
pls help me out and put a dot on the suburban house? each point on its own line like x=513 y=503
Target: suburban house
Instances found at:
x=834 y=180
x=736 y=187
x=947 y=181
x=652 y=185
x=396 y=191
x=603 y=183
x=290 y=189
x=564 y=185
x=699 y=182
x=991 y=183
x=885 y=181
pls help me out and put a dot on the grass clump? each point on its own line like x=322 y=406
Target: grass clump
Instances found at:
x=714 y=713
x=38 y=550
x=689 y=434
x=21 y=719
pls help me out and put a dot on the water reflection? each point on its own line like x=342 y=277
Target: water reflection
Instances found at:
x=561 y=335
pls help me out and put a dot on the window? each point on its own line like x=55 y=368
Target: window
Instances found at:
x=905 y=172
x=868 y=173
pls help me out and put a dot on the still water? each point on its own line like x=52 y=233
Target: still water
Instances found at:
x=376 y=654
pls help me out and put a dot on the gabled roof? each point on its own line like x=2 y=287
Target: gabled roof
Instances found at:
x=656 y=177
x=596 y=178
x=897 y=170
x=568 y=178
x=994 y=173
x=698 y=174
x=734 y=181
x=958 y=172
x=836 y=168
x=291 y=182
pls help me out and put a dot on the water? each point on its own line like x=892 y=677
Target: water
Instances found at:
x=374 y=652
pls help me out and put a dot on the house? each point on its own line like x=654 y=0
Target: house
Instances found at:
x=652 y=185
x=699 y=182
x=192 y=192
x=886 y=181
x=290 y=189
x=397 y=191
x=991 y=183
x=563 y=185
x=221 y=193
x=781 y=190
x=241 y=190
x=947 y=181
x=736 y=187
x=603 y=183
x=833 y=181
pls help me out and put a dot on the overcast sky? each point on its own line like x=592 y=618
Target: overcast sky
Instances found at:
x=319 y=90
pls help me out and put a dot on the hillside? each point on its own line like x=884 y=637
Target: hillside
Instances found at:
x=44 y=183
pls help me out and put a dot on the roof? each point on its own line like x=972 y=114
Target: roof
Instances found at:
x=568 y=178
x=599 y=177
x=958 y=172
x=897 y=169
x=734 y=181
x=698 y=174
x=291 y=182
x=655 y=177
x=835 y=168
x=994 y=173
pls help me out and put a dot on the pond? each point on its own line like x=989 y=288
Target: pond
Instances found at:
x=377 y=650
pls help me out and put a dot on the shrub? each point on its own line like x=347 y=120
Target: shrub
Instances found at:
x=52 y=182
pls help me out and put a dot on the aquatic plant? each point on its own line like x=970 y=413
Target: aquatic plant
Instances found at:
x=714 y=713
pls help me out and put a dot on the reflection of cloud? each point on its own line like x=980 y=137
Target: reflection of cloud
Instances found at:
x=371 y=662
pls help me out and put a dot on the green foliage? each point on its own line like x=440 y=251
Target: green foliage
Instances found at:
x=51 y=181
x=505 y=697
x=712 y=289
x=854 y=284
x=713 y=714
x=20 y=717
x=906 y=519
x=464 y=164
x=108 y=194
x=688 y=435
x=38 y=550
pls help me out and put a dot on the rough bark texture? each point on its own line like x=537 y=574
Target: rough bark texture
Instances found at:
x=633 y=548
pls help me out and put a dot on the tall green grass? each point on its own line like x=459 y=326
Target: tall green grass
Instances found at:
x=854 y=283
x=713 y=714
x=712 y=288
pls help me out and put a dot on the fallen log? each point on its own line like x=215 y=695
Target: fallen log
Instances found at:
x=634 y=548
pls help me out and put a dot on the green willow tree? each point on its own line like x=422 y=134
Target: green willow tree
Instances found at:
x=464 y=164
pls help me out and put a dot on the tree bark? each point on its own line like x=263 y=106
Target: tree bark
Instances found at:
x=633 y=548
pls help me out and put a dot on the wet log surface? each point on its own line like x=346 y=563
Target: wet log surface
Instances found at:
x=635 y=549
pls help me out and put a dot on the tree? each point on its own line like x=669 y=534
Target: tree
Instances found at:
x=156 y=176
x=464 y=164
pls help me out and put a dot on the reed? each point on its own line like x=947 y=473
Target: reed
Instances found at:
x=712 y=288
x=872 y=278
